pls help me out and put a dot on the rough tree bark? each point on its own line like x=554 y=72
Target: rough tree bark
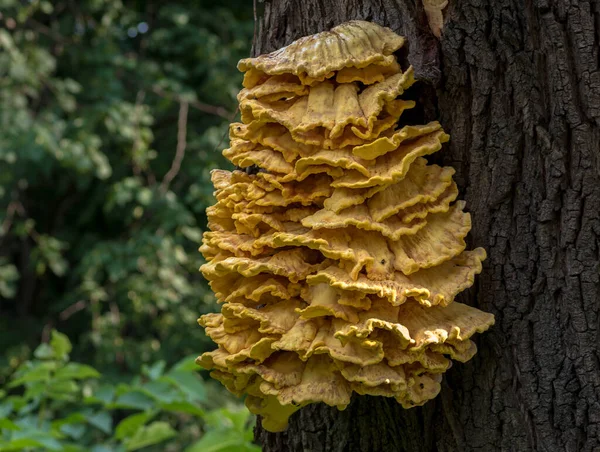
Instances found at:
x=517 y=86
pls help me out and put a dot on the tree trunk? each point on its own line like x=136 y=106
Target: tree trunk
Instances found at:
x=517 y=86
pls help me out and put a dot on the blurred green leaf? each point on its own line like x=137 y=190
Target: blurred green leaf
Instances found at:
x=149 y=435
x=20 y=444
x=221 y=441
x=7 y=424
x=72 y=420
x=189 y=383
x=101 y=420
x=107 y=448
x=36 y=372
x=161 y=391
x=235 y=419
x=187 y=364
x=44 y=351
x=129 y=426
x=62 y=390
x=28 y=436
x=183 y=407
x=75 y=431
x=76 y=371
x=103 y=394
x=6 y=408
x=61 y=345
x=155 y=370
x=133 y=399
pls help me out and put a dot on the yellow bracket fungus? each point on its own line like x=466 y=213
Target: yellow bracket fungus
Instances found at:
x=338 y=262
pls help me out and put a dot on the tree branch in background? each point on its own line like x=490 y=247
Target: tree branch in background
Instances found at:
x=13 y=207
x=181 y=145
x=73 y=309
x=206 y=108
x=63 y=316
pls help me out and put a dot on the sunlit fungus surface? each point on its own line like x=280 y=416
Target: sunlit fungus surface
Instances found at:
x=338 y=256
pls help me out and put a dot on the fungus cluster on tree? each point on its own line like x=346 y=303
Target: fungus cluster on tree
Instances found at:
x=338 y=258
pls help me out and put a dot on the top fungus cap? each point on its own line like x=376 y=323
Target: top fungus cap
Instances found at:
x=352 y=44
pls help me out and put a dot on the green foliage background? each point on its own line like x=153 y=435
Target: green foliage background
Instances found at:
x=112 y=114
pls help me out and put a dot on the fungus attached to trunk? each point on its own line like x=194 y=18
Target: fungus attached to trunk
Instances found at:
x=339 y=261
